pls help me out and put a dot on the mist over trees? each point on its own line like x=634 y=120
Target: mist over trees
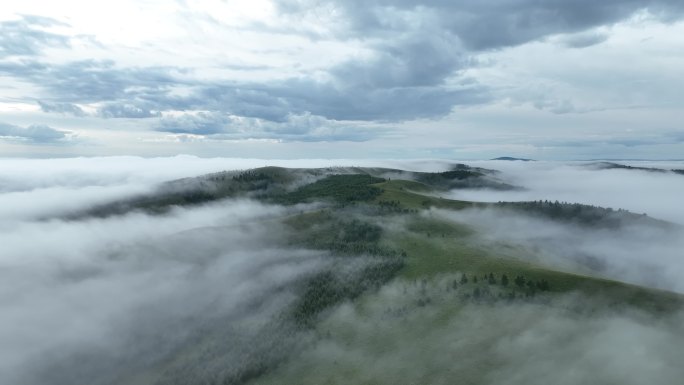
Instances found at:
x=234 y=277
x=581 y=214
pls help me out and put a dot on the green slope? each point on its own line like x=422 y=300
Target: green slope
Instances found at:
x=423 y=328
x=427 y=326
x=410 y=289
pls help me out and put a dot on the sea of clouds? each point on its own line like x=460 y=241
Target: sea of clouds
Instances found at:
x=123 y=292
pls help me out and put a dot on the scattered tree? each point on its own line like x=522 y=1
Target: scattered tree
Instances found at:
x=520 y=281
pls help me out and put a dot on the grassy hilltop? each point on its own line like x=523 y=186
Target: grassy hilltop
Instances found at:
x=403 y=275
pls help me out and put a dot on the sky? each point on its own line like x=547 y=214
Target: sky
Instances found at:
x=552 y=80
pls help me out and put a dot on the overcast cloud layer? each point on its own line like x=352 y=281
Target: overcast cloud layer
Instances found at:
x=282 y=78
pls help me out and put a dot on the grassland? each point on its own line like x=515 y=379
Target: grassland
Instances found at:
x=427 y=326
x=416 y=195
x=424 y=329
x=408 y=315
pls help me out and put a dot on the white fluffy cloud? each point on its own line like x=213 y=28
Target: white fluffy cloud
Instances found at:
x=411 y=79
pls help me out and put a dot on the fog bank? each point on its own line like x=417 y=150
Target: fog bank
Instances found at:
x=88 y=301
x=652 y=193
x=398 y=336
x=637 y=253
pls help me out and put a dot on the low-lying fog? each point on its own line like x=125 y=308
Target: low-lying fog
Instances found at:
x=396 y=338
x=88 y=300
x=635 y=253
x=112 y=294
x=82 y=299
x=653 y=193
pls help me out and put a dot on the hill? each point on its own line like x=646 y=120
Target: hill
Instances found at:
x=400 y=271
x=613 y=166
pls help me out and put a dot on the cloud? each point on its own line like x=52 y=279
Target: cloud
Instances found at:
x=638 y=253
x=449 y=339
x=480 y=26
x=94 y=298
x=89 y=300
x=31 y=189
x=414 y=75
x=397 y=61
x=418 y=48
x=583 y=40
x=415 y=60
x=556 y=106
x=361 y=102
x=108 y=110
x=62 y=108
x=24 y=37
x=36 y=133
x=202 y=123
x=46 y=188
x=604 y=348
x=137 y=92
x=578 y=183
x=126 y=110
x=345 y=96
x=157 y=275
x=305 y=127
x=92 y=81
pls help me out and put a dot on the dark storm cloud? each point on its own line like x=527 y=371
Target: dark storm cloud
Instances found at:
x=33 y=133
x=24 y=37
